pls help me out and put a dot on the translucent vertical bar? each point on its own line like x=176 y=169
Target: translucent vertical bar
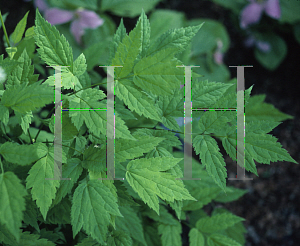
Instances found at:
x=188 y=166
x=240 y=156
x=110 y=125
x=57 y=171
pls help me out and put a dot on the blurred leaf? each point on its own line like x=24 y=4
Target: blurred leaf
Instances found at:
x=278 y=51
x=297 y=32
x=289 y=11
x=206 y=40
x=127 y=8
x=172 y=19
x=234 y=5
x=19 y=30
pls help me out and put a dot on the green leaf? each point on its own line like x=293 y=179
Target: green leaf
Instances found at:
x=174 y=39
x=72 y=169
x=54 y=48
x=118 y=37
x=95 y=120
x=289 y=12
x=23 y=73
x=235 y=232
x=12 y=202
x=257 y=110
x=211 y=157
x=136 y=100
x=128 y=150
x=80 y=65
x=145 y=28
x=22 y=154
x=206 y=40
x=127 y=52
x=172 y=19
x=119 y=238
x=278 y=51
x=147 y=178
x=207 y=93
x=4 y=114
x=170 y=234
x=217 y=222
x=131 y=224
x=19 y=30
x=88 y=241
x=232 y=194
x=169 y=137
x=24 y=98
x=31 y=214
x=221 y=240
x=158 y=74
x=127 y=8
x=204 y=195
x=297 y=32
x=43 y=191
x=24 y=120
x=258 y=146
x=93 y=205
x=196 y=237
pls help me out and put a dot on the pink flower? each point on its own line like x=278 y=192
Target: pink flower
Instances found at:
x=218 y=55
x=81 y=19
x=252 y=12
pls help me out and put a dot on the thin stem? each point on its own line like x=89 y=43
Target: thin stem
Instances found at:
x=42 y=124
x=65 y=146
x=1 y=167
x=5 y=134
x=4 y=30
x=84 y=88
x=30 y=136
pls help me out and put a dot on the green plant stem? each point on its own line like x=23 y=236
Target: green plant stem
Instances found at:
x=30 y=136
x=5 y=134
x=42 y=124
x=1 y=167
x=66 y=146
x=84 y=88
x=4 y=30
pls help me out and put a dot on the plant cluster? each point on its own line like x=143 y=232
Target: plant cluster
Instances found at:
x=151 y=204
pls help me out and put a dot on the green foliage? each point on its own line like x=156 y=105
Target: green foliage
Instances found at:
x=148 y=206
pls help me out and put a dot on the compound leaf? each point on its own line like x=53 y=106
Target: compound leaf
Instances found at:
x=92 y=207
x=147 y=178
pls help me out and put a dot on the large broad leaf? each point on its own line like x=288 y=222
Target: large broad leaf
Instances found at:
x=131 y=224
x=54 y=48
x=22 y=154
x=148 y=179
x=43 y=191
x=212 y=158
x=12 y=202
x=92 y=207
x=259 y=146
x=22 y=98
x=196 y=237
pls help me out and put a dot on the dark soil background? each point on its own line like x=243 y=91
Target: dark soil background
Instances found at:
x=272 y=205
